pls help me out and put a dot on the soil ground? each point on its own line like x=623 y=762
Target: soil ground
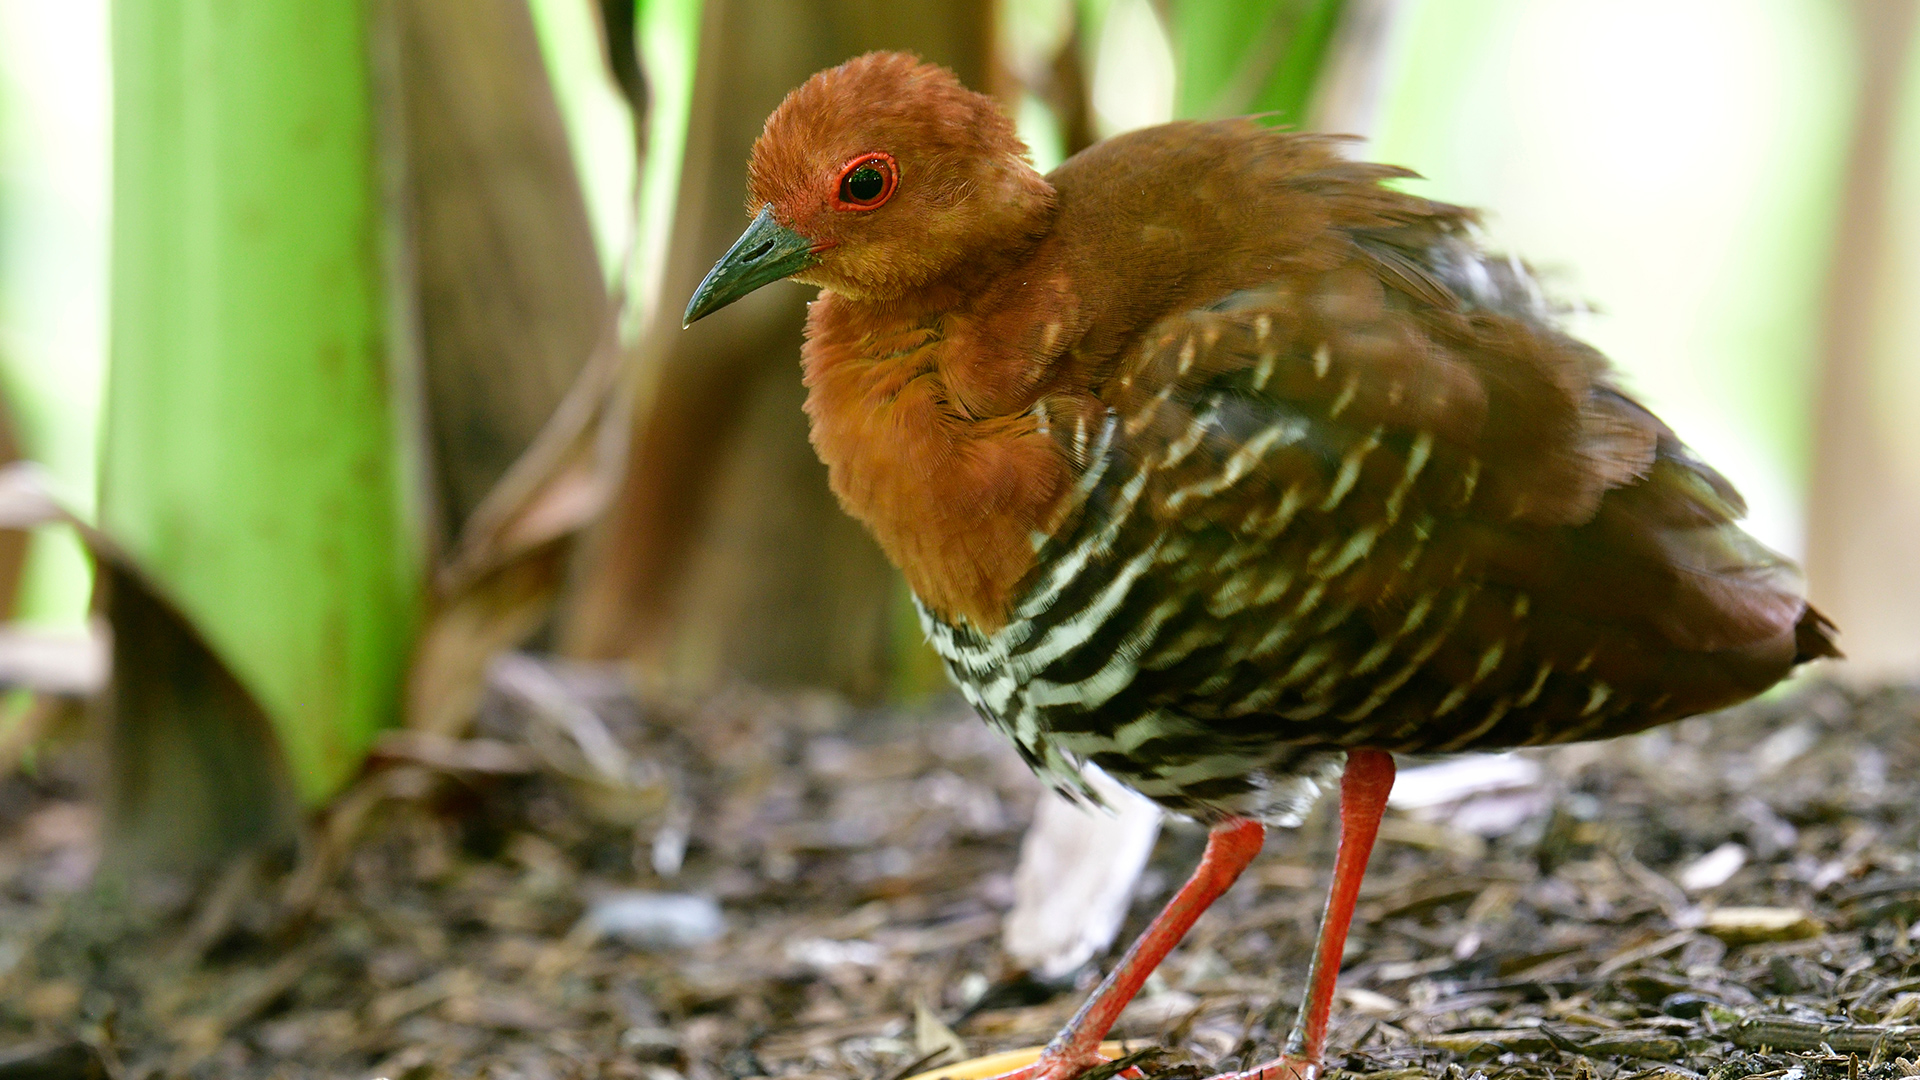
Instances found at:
x=754 y=885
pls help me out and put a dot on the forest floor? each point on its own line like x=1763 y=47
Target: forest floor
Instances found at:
x=754 y=885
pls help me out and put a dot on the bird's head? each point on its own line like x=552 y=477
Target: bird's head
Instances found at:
x=876 y=178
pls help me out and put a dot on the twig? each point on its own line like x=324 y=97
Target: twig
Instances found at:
x=1777 y=1033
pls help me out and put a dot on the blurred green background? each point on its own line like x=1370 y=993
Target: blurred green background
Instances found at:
x=244 y=379
x=1676 y=165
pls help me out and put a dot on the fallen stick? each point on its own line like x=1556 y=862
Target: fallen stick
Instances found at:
x=1781 y=1034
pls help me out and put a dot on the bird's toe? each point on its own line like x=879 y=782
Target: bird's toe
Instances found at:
x=1280 y=1068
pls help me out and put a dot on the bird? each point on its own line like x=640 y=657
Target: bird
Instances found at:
x=1215 y=461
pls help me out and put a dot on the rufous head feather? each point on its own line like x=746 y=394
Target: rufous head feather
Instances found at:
x=896 y=173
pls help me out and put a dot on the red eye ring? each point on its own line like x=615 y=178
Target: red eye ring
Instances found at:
x=849 y=189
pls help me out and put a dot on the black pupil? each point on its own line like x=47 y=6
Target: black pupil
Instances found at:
x=863 y=184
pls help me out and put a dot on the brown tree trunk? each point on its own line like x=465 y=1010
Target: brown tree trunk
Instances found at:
x=510 y=296
x=1864 y=510
x=13 y=542
x=724 y=553
x=512 y=325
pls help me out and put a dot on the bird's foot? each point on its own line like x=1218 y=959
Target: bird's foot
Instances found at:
x=1280 y=1068
x=1066 y=1065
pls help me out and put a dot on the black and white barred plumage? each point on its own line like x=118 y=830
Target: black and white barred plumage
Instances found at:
x=1298 y=528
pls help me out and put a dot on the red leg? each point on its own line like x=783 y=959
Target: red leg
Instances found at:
x=1230 y=847
x=1363 y=798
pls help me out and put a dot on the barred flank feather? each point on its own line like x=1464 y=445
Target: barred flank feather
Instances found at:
x=1284 y=544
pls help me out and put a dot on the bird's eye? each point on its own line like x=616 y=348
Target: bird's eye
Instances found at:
x=867 y=181
x=864 y=184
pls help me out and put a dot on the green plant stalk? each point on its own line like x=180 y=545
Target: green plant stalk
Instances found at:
x=250 y=459
x=1249 y=56
x=669 y=45
x=600 y=127
x=1289 y=91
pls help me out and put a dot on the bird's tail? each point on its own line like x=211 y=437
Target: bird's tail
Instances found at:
x=1813 y=637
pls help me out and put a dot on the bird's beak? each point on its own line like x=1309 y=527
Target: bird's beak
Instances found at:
x=765 y=253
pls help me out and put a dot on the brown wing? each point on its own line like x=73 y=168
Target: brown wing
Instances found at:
x=1390 y=504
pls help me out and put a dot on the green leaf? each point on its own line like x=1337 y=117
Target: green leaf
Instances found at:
x=1263 y=56
x=250 y=459
x=600 y=126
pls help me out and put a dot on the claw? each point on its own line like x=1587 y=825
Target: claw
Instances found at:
x=1280 y=1068
x=1032 y=1064
x=1065 y=1067
x=1059 y=1068
x=1028 y=1064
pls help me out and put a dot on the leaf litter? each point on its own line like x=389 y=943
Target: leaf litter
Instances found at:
x=760 y=885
